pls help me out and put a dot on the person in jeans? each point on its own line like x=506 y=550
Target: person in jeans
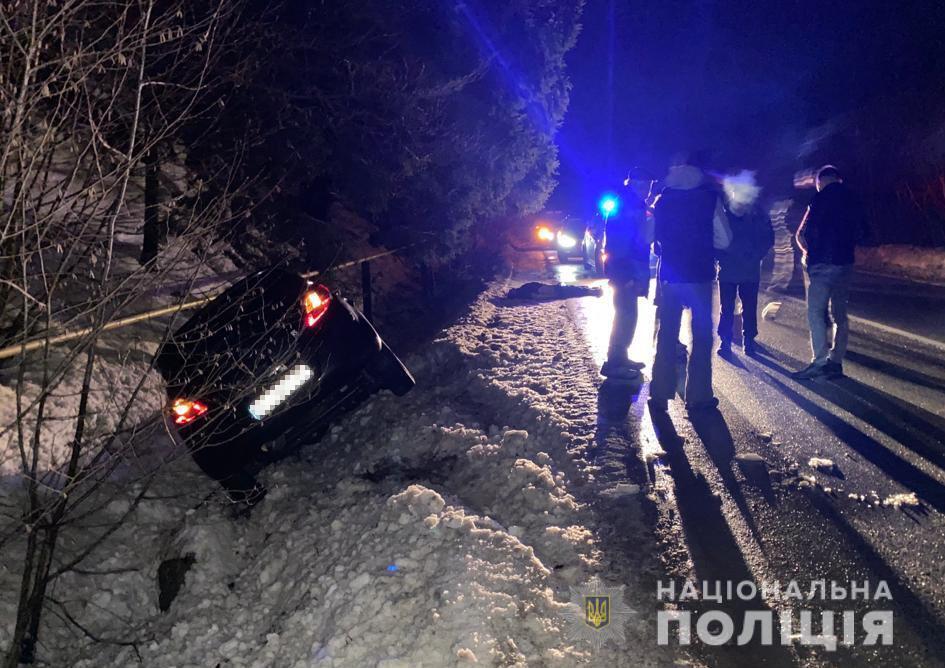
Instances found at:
x=690 y=226
x=827 y=236
x=740 y=273
x=628 y=236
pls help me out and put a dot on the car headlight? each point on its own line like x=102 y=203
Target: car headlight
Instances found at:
x=565 y=240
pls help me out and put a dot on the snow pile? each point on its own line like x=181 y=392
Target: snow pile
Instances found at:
x=914 y=262
x=116 y=378
x=352 y=576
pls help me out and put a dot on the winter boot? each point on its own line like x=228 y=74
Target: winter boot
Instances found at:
x=810 y=372
x=833 y=370
x=621 y=369
x=751 y=348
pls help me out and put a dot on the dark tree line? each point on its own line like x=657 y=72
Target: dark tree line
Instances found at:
x=434 y=121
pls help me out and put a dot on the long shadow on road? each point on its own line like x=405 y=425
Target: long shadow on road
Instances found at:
x=897 y=371
x=895 y=467
x=715 y=553
x=920 y=619
x=923 y=625
x=715 y=435
x=912 y=426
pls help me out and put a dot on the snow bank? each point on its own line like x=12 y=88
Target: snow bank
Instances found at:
x=912 y=262
x=443 y=528
x=125 y=393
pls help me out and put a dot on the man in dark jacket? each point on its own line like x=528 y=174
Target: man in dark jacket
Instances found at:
x=740 y=272
x=690 y=225
x=628 y=235
x=834 y=222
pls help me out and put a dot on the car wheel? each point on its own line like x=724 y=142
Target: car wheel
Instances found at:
x=390 y=373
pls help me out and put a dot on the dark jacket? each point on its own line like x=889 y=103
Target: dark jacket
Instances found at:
x=684 y=217
x=628 y=238
x=836 y=221
x=752 y=238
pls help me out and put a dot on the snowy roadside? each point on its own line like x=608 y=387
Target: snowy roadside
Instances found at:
x=900 y=261
x=443 y=528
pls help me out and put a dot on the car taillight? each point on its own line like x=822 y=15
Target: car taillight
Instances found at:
x=186 y=411
x=315 y=304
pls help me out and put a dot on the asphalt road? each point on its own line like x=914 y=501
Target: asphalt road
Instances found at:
x=737 y=496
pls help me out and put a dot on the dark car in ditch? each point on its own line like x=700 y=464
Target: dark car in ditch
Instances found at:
x=266 y=366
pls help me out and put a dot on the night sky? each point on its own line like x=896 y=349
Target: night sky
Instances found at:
x=770 y=86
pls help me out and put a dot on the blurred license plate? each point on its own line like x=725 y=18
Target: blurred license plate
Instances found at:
x=294 y=379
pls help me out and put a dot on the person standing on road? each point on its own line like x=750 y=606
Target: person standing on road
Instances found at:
x=690 y=226
x=628 y=235
x=740 y=272
x=827 y=236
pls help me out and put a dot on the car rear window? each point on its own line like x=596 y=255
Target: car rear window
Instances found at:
x=259 y=314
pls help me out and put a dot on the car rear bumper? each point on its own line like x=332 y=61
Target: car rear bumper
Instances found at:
x=228 y=437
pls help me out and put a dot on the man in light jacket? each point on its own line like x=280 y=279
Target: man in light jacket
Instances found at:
x=690 y=227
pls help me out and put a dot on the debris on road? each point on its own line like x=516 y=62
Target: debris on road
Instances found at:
x=749 y=458
x=906 y=499
x=824 y=465
x=770 y=311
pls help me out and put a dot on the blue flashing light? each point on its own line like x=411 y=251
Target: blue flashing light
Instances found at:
x=608 y=205
x=392 y=568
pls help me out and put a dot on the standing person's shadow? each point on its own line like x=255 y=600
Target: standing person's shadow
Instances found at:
x=616 y=438
x=715 y=553
x=713 y=431
x=614 y=399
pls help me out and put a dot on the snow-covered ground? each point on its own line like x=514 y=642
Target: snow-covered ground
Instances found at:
x=913 y=262
x=443 y=528
x=122 y=365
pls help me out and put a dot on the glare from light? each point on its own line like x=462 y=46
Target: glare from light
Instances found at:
x=566 y=241
x=544 y=233
x=315 y=304
x=568 y=274
x=598 y=315
x=608 y=205
x=282 y=390
x=186 y=411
